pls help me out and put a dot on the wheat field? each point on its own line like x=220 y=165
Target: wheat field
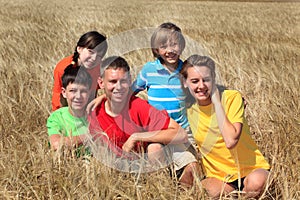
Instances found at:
x=256 y=46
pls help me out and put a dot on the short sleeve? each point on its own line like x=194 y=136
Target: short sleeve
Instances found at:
x=141 y=80
x=53 y=124
x=234 y=106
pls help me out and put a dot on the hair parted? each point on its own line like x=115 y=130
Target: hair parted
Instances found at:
x=165 y=32
x=197 y=60
x=91 y=40
x=114 y=62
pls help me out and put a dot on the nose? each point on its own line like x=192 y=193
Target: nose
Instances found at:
x=118 y=85
x=201 y=84
x=94 y=56
x=77 y=94
x=170 y=49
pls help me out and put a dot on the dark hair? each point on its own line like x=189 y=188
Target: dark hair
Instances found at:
x=114 y=62
x=163 y=33
x=192 y=61
x=77 y=75
x=90 y=40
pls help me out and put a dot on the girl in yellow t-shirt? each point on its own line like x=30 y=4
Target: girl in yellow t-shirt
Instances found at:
x=230 y=157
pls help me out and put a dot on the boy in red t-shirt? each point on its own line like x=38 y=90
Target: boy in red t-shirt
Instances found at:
x=132 y=124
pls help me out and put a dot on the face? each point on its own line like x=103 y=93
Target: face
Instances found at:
x=89 y=58
x=200 y=83
x=116 y=84
x=170 y=52
x=77 y=96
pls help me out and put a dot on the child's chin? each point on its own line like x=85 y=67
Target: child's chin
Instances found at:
x=78 y=108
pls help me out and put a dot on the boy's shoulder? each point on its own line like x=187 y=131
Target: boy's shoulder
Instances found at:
x=63 y=111
x=153 y=65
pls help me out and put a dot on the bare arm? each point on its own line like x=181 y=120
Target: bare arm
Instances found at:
x=174 y=134
x=57 y=141
x=93 y=104
x=230 y=131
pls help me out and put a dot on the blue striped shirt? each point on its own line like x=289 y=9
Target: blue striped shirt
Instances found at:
x=164 y=90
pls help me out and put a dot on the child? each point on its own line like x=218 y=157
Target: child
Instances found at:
x=230 y=157
x=89 y=51
x=161 y=79
x=68 y=125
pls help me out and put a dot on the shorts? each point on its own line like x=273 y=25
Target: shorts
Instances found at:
x=235 y=184
x=181 y=154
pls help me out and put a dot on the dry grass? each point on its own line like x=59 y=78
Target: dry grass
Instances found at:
x=256 y=46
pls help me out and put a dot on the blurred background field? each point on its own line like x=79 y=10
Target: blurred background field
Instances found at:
x=256 y=46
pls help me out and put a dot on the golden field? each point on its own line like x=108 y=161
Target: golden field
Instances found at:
x=256 y=46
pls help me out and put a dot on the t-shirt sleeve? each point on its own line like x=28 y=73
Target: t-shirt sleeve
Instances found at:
x=152 y=118
x=56 y=91
x=53 y=124
x=234 y=106
x=141 y=81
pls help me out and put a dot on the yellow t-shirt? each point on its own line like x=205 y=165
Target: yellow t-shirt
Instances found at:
x=218 y=161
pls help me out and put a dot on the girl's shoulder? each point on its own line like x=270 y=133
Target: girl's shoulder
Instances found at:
x=63 y=63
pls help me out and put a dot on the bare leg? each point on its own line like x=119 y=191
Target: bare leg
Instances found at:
x=156 y=155
x=255 y=182
x=190 y=172
x=216 y=188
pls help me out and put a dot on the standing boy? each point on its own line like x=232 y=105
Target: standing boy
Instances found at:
x=161 y=79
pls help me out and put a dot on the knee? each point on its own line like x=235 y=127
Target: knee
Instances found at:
x=192 y=168
x=255 y=181
x=154 y=147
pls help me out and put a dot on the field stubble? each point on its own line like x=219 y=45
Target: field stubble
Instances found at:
x=256 y=46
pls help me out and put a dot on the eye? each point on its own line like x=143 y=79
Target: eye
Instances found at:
x=163 y=46
x=173 y=44
x=206 y=80
x=194 y=81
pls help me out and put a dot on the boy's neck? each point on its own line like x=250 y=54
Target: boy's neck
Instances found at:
x=170 y=67
x=113 y=109
x=76 y=113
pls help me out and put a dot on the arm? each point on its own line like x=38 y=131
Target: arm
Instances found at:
x=174 y=134
x=56 y=90
x=93 y=104
x=230 y=131
x=57 y=141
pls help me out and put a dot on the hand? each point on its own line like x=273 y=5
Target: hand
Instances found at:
x=215 y=97
x=129 y=144
x=94 y=103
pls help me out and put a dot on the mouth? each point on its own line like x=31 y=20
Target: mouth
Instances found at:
x=118 y=94
x=77 y=103
x=202 y=93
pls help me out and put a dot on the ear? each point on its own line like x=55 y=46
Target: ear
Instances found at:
x=184 y=83
x=156 y=51
x=100 y=83
x=79 y=49
x=63 y=92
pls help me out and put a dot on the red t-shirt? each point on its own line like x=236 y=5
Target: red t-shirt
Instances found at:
x=58 y=73
x=138 y=116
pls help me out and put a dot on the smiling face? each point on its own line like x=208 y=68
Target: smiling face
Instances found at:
x=77 y=96
x=200 y=83
x=116 y=84
x=89 y=58
x=169 y=52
